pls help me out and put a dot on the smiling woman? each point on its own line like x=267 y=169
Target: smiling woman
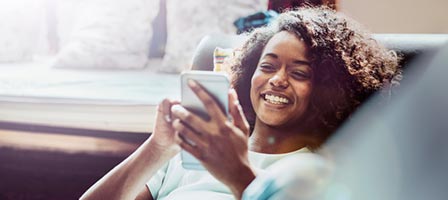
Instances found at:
x=342 y=64
x=282 y=83
x=297 y=80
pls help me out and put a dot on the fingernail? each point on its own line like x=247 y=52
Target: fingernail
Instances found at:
x=192 y=83
x=175 y=122
x=167 y=118
x=175 y=108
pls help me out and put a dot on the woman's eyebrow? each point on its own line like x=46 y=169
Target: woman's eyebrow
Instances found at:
x=302 y=62
x=298 y=62
x=273 y=55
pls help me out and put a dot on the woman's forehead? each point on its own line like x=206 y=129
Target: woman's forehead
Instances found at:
x=285 y=43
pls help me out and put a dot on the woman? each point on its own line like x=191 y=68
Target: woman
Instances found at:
x=297 y=79
x=347 y=64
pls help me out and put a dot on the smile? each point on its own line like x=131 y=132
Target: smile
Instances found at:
x=274 y=99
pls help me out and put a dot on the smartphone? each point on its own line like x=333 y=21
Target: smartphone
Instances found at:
x=217 y=85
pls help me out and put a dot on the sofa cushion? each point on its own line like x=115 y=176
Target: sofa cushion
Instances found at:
x=220 y=58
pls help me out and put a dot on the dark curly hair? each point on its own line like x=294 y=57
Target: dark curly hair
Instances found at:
x=349 y=65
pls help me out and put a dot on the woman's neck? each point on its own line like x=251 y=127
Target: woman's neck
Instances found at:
x=275 y=140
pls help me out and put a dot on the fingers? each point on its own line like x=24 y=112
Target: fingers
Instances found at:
x=187 y=117
x=212 y=107
x=193 y=150
x=236 y=111
x=188 y=134
x=191 y=141
x=164 y=109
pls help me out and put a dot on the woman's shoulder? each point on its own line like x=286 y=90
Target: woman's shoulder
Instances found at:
x=265 y=160
x=298 y=173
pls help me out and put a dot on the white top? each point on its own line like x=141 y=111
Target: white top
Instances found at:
x=172 y=181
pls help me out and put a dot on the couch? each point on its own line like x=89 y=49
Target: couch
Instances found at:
x=58 y=175
x=370 y=160
x=398 y=151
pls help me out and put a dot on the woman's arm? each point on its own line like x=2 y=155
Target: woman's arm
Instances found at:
x=145 y=194
x=127 y=179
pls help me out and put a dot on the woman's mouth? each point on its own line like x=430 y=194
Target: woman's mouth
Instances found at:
x=275 y=99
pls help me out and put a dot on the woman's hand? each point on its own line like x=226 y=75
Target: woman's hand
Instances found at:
x=220 y=144
x=164 y=135
x=126 y=180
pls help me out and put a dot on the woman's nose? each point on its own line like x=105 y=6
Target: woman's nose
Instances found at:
x=280 y=79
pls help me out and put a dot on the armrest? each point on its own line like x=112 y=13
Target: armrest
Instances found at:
x=203 y=56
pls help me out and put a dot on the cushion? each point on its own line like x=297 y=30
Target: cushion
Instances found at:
x=220 y=59
x=110 y=34
x=188 y=21
x=19 y=30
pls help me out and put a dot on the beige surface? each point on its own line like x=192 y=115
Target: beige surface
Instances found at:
x=64 y=143
x=111 y=116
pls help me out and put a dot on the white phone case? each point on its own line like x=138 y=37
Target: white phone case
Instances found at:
x=217 y=84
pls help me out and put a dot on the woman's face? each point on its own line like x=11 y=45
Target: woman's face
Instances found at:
x=282 y=83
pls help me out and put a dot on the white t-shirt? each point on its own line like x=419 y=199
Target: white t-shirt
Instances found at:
x=172 y=181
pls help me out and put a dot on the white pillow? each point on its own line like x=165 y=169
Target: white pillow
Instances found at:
x=188 y=21
x=110 y=34
x=20 y=23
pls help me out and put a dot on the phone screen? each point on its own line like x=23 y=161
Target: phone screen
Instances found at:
x=217 y=85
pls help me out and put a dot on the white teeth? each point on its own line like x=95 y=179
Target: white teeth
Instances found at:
x=276 y=99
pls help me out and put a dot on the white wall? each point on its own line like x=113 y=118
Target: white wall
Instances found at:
x=399 y=16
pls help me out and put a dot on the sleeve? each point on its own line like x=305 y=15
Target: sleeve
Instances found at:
x=155 y=183
x=298 y=175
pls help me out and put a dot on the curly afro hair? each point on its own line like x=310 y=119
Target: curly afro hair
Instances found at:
x=349 y=65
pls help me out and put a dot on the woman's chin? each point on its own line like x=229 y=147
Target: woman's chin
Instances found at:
x=272 y=121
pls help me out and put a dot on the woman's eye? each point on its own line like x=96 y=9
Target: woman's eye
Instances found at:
x=300 y=75
x=267 y=68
